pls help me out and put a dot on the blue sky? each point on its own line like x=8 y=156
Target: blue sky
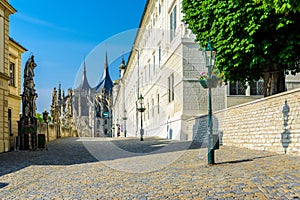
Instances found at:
x=62 y=33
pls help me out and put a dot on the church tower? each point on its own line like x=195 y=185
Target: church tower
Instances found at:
x=81 y=94
x=83 y=100
x=92 y=105
x=103 y=103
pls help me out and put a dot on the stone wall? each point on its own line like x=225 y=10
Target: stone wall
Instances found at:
x=260 y=124
x=55 y=131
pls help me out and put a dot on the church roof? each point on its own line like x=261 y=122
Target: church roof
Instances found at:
x=105 y=82
x=84 y=85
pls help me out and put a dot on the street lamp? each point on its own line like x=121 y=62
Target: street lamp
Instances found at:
x=209 y=55
x=141 y=108
x=118 y=128
x=45 y=118
x=125 y=118
x=113 y=130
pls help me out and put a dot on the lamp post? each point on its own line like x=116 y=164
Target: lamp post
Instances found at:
x=209 y=58
x=141 y=108
x=113 y=130
x=118 y=128
x=45 y=118
x=125 y=118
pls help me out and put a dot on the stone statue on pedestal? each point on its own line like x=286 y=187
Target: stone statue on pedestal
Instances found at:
x=28 y=121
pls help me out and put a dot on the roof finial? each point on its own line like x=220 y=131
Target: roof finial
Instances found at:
x=84 y=67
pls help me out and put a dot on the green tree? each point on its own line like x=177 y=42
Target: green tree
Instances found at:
x=39 y=117
x=280 y=6
x=252 y=40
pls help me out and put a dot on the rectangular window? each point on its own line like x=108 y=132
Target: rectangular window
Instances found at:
x=159 y=8
x=148 y=110
x=153 y=20
x=154 y=64
x=12 y=74
x=149 y=68
x=171 y=88
x=173 y=23
x=9 y=122
x=159 y=56
x=145 y=71
x=152 y=107
x=157 y=103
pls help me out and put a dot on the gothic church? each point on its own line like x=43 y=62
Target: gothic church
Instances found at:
x=92 y=114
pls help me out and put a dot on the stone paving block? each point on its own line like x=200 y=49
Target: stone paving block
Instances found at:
x=71 y=170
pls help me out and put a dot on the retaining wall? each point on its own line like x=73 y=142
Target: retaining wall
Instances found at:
x=55 y=131
x=270 y=124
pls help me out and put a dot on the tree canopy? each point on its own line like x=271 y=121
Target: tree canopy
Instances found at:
x=280 y=6
x=252 y=40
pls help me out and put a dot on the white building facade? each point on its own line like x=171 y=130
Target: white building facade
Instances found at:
x=163 y=67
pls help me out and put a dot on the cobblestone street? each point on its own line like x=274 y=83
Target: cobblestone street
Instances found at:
x=95 y=168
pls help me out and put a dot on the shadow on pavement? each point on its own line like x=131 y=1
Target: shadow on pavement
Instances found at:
x=243 y=160
x=60 y=152
x=71 y=151
x=152 y=145
x=133 y=147
x=2 y=185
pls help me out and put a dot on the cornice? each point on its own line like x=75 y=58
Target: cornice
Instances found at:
x=8 y=6
x=14 y=96
x=16 y=44
x=4 y=76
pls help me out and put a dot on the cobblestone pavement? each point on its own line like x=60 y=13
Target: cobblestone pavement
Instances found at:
x=75 y=168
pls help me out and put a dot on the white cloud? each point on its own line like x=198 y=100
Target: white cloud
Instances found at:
x=40 y=22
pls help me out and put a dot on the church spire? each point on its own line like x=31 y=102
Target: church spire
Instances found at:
x=84 y=68
x=106 y=81
x=106 y=61
x=84 y=82
x=59 y=91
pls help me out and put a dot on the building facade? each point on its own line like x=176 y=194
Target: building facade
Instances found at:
x=14 y=98
x=5 y=11
x=163 y=67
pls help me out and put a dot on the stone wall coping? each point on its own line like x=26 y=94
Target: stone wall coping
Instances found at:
x=259 y=100
x=249 y=103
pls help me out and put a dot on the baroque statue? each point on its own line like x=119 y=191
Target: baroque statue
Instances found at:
x=28 y=121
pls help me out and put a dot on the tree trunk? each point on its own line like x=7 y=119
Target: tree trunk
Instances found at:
x=274 y=82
